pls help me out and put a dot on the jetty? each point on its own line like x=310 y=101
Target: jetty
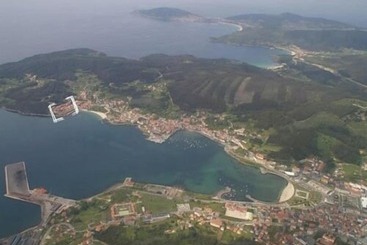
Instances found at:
x=16 y=180
x=17 y=187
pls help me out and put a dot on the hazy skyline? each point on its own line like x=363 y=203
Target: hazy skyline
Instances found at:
x=352 y=11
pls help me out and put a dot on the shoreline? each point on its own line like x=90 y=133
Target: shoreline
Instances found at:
x=273 y=66
x=248 y=162
x=284 y=195
x=102 y=115
x=238 y=26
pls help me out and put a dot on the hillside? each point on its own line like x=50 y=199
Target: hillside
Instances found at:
x=303 y=111
x=20 y=92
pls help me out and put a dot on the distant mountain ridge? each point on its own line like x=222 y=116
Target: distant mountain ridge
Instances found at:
x=168 y=14
x=289 y=21
x=310 y=33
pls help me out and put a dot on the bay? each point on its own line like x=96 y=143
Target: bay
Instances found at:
x=83 y=156
x=40 y=26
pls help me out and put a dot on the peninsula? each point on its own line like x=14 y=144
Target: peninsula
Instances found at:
x=174 y=14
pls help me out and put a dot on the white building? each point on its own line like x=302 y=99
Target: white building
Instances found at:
x=364 y=202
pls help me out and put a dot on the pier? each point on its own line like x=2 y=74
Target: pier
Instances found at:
x=16 y=180
x=17 y=187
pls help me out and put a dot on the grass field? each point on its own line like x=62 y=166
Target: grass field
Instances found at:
x=89 y=216
x=122 y=195
x=216 y=207
x=353 y=173
x=156 y=204
x=314 y=197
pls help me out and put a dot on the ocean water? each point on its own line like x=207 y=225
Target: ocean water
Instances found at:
x=39 y=26
x=82 y=156
x=42 y=26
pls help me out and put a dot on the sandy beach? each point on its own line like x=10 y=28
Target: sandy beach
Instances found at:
x=275 y=67
x=238 y=26
x=98 y=113
x=287 y=193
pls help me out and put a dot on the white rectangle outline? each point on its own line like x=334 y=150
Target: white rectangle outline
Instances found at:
x=56 y=120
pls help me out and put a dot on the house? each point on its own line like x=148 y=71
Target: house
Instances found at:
x=237 y=211
x=326 y=239
x=217 y=223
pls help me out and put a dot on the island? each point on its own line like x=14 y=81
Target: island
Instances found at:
x=169 y=14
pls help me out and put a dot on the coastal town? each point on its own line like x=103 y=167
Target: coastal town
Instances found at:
x=315 y=207
x=132 y=204
x=313 y=200
x=131 y=123
x=268 y=224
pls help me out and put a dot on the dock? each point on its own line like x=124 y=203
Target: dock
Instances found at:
x=17 y=187
x=16 y=180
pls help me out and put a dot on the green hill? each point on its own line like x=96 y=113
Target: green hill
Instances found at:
x=328 y=39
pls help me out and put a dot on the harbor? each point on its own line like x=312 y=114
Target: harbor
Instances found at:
x=73 y=173
x=17 y=187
